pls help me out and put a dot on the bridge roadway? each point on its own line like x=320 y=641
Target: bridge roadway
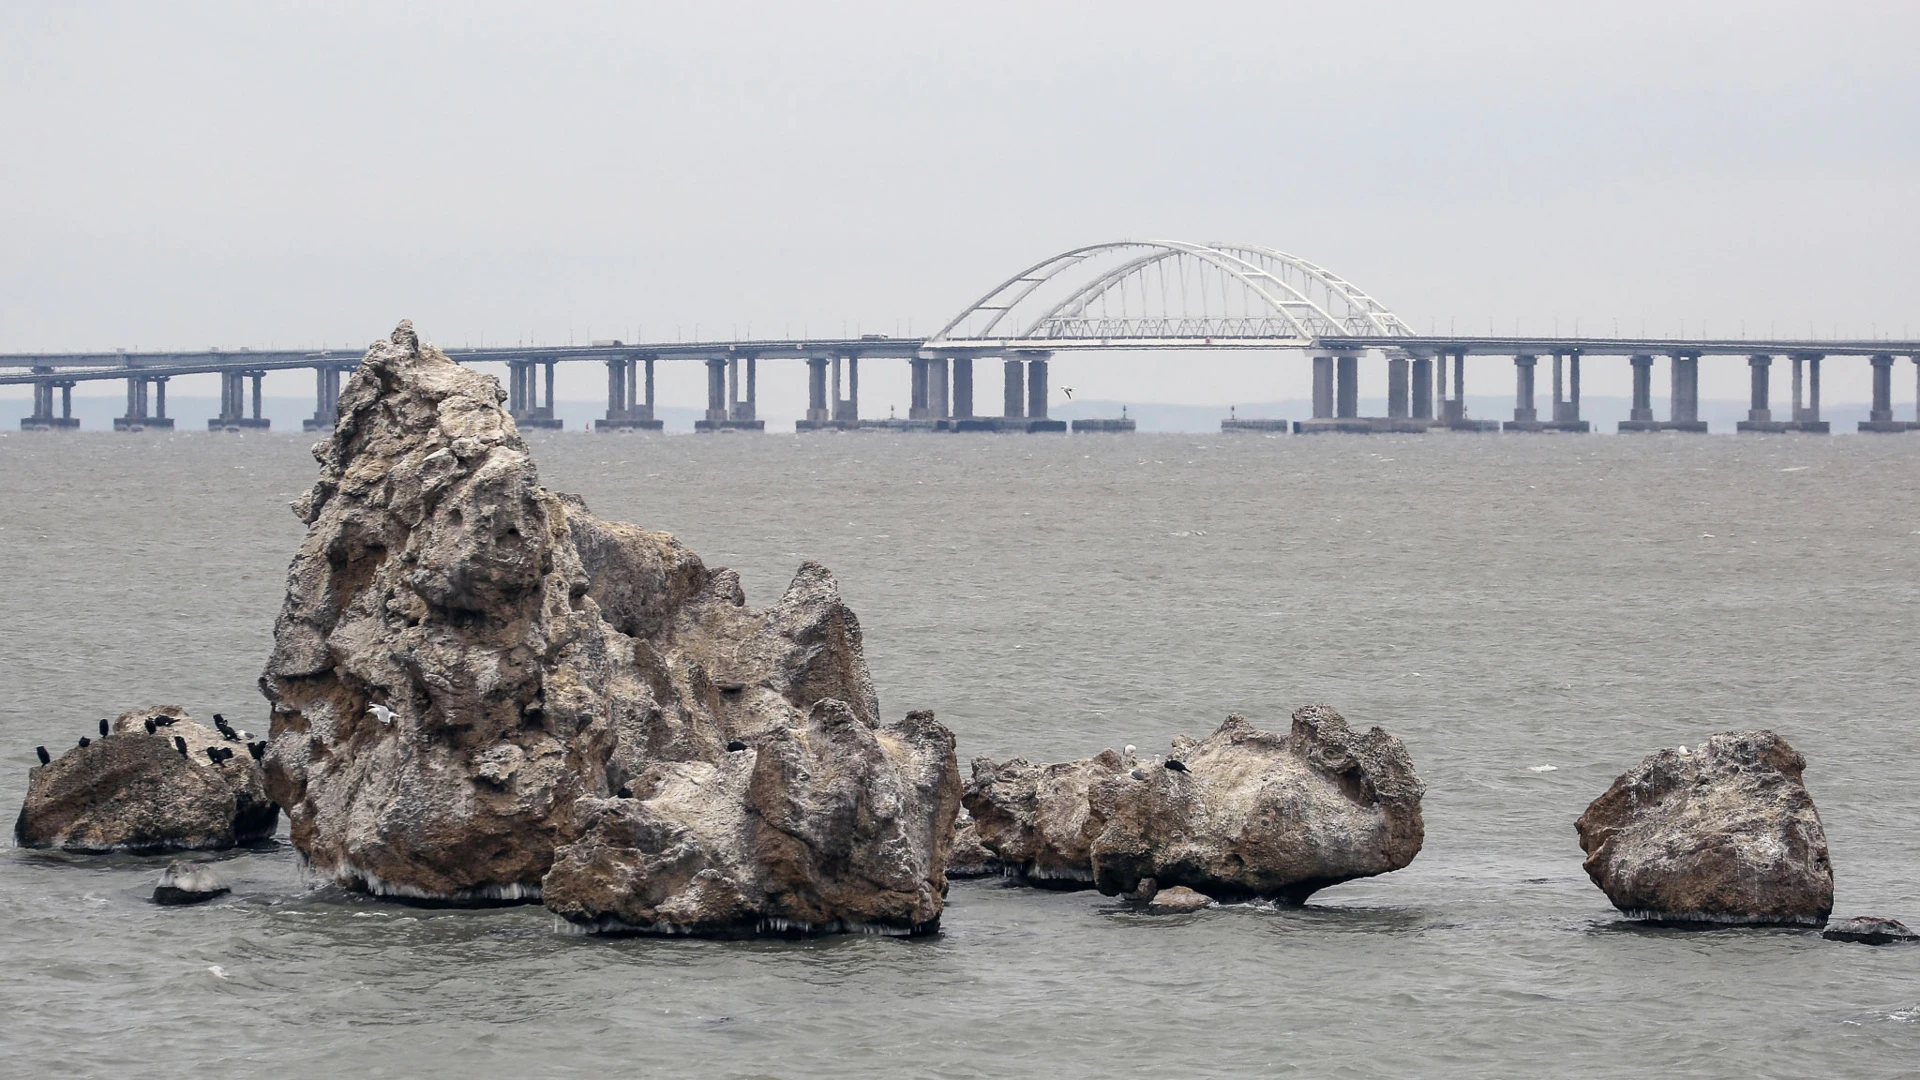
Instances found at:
x=1421 y=396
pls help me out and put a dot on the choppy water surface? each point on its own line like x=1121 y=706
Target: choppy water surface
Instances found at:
x=1499 y=602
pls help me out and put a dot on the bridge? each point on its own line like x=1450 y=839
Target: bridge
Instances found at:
x=1122 y=296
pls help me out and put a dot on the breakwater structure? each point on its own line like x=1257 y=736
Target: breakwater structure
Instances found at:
x=1127 y=296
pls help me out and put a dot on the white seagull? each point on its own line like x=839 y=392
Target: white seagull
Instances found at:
x=382 y=714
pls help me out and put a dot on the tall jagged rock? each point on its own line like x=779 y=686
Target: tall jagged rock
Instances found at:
x=1722 y=833
x=135 y=791
x=537 y=662
x=1241 y=813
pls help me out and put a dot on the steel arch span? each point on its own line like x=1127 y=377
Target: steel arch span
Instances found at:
x=1166 y=294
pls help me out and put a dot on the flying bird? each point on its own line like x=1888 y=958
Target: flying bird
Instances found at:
x=1067 y=390
x=382 y=714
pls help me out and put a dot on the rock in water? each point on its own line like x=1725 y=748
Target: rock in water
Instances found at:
x=537 y=660
x=1869 y=930
x=969 y=858
x=1724 y=834
x=1178 y=900
x=135 y=792
x=188 y=883
x=1253 y=814
x=820 y=828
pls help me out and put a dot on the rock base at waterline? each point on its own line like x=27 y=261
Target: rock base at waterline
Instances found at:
x=1723 y=834
x=131 y=791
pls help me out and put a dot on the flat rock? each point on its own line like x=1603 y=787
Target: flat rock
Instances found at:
x=1243 y=813
x=1869 y=930
x=1724 y=833
x=539 y=661
x=189 y=883
x=134 y=792
x=1178 y=900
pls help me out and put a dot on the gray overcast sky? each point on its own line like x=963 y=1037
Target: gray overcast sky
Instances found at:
x=247 y=174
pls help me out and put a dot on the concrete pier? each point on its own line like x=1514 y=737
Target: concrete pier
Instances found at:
x=1323 y=388
x=963 y=388
x=1683 y=408
x=233 y=403
x=1422 y=388
x=627 y=410
x=1525 y=416
x=138 y=417
x=1014 y=399
x=1880 y=417
x=1346 y=387
x=1565 y=414
x=1453 y=411
x=1760 y=407
x=727 y=408
x=43 y=418
x=1397 y=389
x=917 y=394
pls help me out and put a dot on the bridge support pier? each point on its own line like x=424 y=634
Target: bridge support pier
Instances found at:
x=233 y=402
x=1880 y=418
x=817 y=416
x=1346 y=387
x=1525 y=416
x=1683 y=406
x=625 y=412
x=726 y=409
x=138 y=418
x=326 y=398
x=937 y=391
x=1422 y=388
x=917 y=393
x=1397 y=388
x=1453 y=415
x=1760 y=406
x=43 y=418
x=1014 y=407
x=962 y=388
x=1323 y=388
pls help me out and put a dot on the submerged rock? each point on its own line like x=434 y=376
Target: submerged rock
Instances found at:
x=1869 y=930
x=1725 y=833
x=1242 y=813
x=135 y=791
x=188 y=883
x=1178 y=900
x=538 y=662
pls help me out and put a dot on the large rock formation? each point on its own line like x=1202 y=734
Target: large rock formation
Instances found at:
x=134 y=791
x=1242 y=813
x=538 y=662
x=1725 y=833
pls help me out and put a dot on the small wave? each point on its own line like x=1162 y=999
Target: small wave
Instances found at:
x=1543 y=768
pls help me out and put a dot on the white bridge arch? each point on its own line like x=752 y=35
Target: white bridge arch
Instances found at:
x=1166 y=294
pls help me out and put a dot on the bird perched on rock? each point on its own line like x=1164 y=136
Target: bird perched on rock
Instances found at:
x=226 y=732
x=84 y=741
x=213 y=754
x=163 y=720
x=1176 y=765
x=151 y=726
x=103 y=727
x=45 y=758
x=1129 y=749
x=736 y=746
x=257 y=749
x=382 y=714
x=180 y=744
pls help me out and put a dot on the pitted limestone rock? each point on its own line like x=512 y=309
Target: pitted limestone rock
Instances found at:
x=1723 y=833
x=1242 y=813
x=536 y=659
x=134 y=791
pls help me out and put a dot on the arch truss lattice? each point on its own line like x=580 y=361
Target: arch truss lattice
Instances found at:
x=1146 y=294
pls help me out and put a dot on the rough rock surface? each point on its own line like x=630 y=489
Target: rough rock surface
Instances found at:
x=1242 y=813
x=969 y=858
x=1725 y=833
x=188 y=883
x=131 y=791
x=1178 y=900
x=820 y=827
x=538 y=661
x=1869 y=930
